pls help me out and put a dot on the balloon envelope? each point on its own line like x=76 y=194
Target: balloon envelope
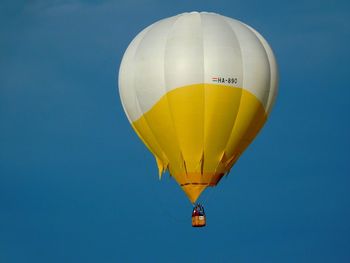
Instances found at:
x=197 y=88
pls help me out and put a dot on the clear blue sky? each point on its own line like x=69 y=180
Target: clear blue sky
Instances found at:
x=76 y=184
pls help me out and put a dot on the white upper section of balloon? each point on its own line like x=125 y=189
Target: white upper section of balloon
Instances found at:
x=195 y=48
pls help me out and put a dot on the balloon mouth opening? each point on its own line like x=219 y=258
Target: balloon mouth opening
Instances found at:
x=194 y=190
x=199 y=182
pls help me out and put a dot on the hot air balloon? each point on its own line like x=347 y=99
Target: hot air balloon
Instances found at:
x=197 y=88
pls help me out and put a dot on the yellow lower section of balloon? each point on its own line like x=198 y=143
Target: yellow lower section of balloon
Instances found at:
x=199 y=131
